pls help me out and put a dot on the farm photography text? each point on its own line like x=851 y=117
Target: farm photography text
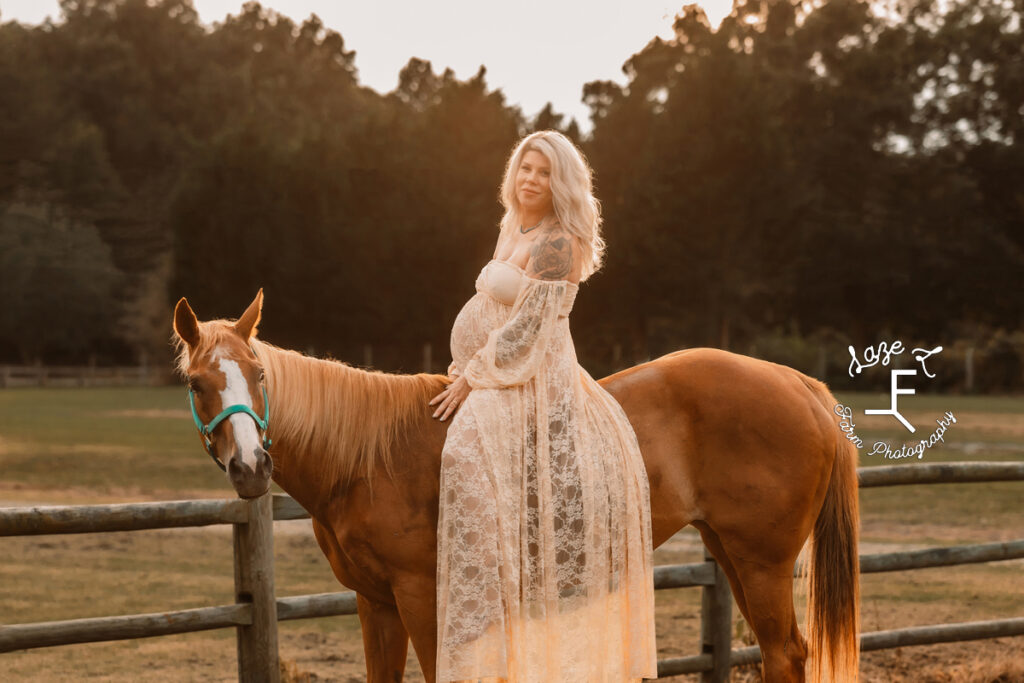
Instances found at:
x=883 y=354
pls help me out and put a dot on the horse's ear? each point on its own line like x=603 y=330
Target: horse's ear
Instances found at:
x=185 y=324
x=246 y=325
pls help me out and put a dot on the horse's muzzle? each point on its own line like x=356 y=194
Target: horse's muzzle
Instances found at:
x=249 y=483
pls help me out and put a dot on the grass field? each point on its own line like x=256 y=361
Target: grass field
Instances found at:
x=76 y=446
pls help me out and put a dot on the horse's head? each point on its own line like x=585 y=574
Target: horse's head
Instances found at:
x=227 y=394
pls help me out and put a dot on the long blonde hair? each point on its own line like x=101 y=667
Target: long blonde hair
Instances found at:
x=575 y=206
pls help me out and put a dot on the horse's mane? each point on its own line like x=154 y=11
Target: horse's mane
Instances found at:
x=211 y=334
x=346 y=420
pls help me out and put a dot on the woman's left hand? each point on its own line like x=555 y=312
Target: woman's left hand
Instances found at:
x=451 y=398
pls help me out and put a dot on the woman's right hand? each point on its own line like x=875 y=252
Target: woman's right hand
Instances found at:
x=451 y=398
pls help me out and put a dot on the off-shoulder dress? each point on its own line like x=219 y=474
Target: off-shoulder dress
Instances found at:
x=544 y=565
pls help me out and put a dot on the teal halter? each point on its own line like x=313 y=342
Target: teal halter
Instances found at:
x=206 y=430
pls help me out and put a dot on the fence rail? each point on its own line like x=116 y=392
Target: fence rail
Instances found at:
x=257 y=610
x=97 y=629
x=80 y=376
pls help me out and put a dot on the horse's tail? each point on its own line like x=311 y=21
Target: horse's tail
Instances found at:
x=833 y=578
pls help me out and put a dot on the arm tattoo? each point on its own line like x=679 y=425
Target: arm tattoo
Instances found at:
x=551 y=257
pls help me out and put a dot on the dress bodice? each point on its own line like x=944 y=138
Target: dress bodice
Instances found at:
x=503 y=280
x=500 y=279
x=501 y=287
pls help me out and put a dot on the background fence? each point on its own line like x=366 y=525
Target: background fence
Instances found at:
x=816 y=359
x=82 y=376
x=257 y=610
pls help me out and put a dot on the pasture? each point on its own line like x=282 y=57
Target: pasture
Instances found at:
x=77 y=446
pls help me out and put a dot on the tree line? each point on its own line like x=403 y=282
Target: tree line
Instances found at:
x=802 y=177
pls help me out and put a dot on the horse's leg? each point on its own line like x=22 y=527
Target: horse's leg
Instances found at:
x=771 y=602
x=385 y=640
x=758 y=557
x=769 y=591
x=714 y=545
x=763 y=585
x=416 y=597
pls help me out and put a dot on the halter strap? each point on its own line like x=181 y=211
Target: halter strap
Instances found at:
x=206 y=430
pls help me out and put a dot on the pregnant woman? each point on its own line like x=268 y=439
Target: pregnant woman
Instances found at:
x=544 y=533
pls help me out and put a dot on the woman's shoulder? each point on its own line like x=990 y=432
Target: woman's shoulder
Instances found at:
x=555 y=255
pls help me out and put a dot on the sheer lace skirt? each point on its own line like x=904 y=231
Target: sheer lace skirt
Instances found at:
x=544 y=547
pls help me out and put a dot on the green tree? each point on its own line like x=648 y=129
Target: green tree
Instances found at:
x=58 y=282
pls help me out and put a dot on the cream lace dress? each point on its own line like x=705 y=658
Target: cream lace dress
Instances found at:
x=544 y=569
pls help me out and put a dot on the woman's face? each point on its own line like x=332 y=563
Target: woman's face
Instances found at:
x=533 y=183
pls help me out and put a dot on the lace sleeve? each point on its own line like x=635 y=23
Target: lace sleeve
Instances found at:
x=514 y=352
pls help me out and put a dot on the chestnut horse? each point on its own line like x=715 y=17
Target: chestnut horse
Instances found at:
x=747 y=451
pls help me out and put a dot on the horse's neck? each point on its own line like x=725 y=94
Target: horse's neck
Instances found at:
x=341 y=456
x=295 y=471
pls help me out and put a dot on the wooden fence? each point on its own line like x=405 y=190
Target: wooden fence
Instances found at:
x=257 y=610
x=81 y=376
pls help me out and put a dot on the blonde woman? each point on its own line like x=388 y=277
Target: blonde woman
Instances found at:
x=544 y=566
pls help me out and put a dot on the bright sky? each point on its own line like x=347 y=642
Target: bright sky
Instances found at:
x=534 y=50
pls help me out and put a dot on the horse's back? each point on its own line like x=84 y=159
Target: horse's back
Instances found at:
x=715 y=426
x=722 y=388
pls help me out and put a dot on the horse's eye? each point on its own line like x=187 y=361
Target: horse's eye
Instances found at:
x=193 y=385
x=263 y=375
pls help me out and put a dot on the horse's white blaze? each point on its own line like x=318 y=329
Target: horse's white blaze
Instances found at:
x=236 y=392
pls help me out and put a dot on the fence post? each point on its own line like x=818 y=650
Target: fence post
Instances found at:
x=969 y=369
x=254 y=584
x=428 y=362
x=716 y=625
